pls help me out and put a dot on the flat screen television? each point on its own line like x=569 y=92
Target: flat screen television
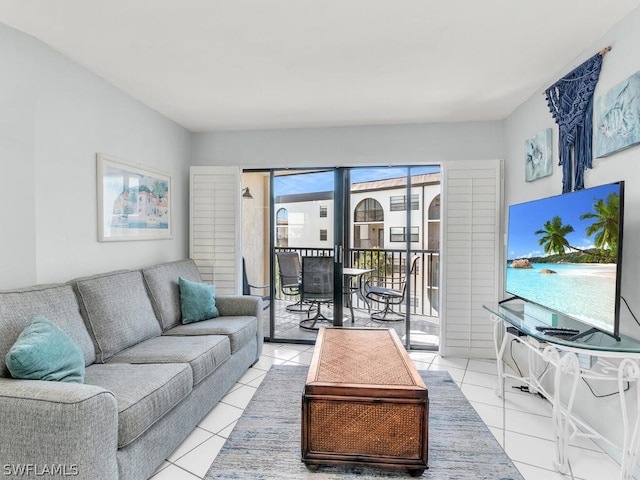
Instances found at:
x=564 y=253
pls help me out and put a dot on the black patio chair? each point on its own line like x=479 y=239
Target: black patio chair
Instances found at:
x=247 y=287
x=291 y=278
x=316 y=288
x=389 y=291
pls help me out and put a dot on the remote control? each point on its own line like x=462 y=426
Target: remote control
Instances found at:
x=560 y=331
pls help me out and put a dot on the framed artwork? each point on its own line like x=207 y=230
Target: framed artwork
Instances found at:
x=134 y=201
x=617 y=117
x=538 y=156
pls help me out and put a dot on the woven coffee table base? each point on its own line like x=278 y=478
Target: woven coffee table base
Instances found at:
x=364 y=403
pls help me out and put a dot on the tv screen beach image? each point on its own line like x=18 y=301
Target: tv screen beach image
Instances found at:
x=563 y=253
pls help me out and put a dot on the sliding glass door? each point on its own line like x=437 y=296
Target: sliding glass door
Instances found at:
x=381 y=227
x=395 y=232
x=304 y=227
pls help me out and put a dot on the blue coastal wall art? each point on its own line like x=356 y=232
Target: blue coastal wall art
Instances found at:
x=617 y=117
x=538 y=156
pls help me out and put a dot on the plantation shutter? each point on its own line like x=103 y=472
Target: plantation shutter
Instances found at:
x=214 y=226
x=471 y=265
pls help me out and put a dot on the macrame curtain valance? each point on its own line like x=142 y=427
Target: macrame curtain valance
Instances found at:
x=570 y=101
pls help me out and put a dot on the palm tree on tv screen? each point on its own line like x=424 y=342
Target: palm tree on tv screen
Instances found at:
x=554 y=232
x=605 y=228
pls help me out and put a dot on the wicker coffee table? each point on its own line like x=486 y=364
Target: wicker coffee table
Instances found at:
x=364 y=402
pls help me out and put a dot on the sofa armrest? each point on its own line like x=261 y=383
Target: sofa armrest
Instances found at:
x=239 y=305
x=67 y=428
x=244 y=305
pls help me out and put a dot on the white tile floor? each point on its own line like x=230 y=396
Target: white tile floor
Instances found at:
x=520 y=422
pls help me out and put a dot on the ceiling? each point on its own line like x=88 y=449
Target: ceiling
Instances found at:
x=255 y=64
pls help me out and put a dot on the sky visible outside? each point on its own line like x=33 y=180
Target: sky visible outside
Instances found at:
x=323 y=181
x=526 y=218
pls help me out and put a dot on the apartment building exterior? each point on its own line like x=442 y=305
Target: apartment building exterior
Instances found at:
x=378 y=215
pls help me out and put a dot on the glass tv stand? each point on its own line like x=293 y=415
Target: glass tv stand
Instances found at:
x=595 y=356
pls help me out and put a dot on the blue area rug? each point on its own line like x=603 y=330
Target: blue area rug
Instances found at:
x=265 y=444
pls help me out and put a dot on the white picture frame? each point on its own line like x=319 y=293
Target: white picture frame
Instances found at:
x=134 y=201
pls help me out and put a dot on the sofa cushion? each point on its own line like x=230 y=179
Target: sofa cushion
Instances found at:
x=56 y=302
x=197 y=301
x=204 y=354
x=144 y=393
x=44 y=352
x=240 y=330
x=162 y=282
x=117 y=311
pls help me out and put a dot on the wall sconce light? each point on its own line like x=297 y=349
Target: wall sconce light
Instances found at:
x=246 y=193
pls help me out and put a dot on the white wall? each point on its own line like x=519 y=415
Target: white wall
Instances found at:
x=18 y=83
x=350 y=146
x=54 y=117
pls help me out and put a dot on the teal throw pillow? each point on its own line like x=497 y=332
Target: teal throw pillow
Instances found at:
x=197 y=301
x=44 y=352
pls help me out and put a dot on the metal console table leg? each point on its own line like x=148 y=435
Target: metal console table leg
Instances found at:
x=613 y=365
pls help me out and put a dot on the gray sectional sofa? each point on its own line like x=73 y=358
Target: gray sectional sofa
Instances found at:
x=149 y=379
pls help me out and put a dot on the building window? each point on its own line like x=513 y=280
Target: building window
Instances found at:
x=398 y=203
x=433 y=222
x=434 y=209
x=282 y=228
x=323 y=235
x=323 y=211
x=399 y=234
x=369 y=210
x=282 y=217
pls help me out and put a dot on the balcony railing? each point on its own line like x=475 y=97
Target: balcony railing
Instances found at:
x=387 y=265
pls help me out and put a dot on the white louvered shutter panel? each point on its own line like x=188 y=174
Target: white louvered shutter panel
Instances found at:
x=471 y=265
x=214 y=221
